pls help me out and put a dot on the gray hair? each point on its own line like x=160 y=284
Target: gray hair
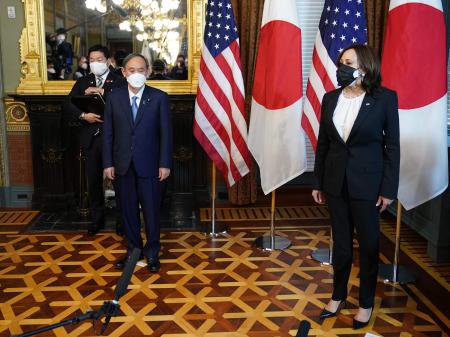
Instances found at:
x=133 y=55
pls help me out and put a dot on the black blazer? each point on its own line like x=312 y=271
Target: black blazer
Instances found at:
x=369 y=160
x=146 y=142
x=87 y=131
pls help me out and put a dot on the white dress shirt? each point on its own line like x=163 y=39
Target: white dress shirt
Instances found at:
x=139 y=95
x=345 y=114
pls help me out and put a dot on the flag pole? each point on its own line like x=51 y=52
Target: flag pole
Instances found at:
x=394 y=272
x=324 y=255
x=272 y=242
x=215 y=229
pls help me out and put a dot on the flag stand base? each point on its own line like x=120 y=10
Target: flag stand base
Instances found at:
x=217 y=230
x=322 y=255
x=395 y=274
x=266 y=243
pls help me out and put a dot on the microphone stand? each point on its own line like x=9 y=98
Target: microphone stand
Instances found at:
x=109 y=308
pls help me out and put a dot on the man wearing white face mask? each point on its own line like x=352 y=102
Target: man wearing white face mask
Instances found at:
x=137 y=153
x=64 y=52
x=100 y=81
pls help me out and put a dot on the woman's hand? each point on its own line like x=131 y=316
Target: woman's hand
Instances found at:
x=383 y=203
x=318 y=196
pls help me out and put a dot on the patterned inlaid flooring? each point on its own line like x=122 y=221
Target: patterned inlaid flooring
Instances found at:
x=219 y=287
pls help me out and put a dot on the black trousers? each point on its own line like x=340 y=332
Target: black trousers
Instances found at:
x=135 y=190
x=348 y=214
x=94 y=173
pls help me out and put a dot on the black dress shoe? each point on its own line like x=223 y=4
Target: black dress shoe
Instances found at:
x=359 y=325
x=120 y=264
x=119 y=230
x=153 y=265
x=327 y=314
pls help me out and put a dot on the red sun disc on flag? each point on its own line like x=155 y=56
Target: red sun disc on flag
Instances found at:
x=415 y=70
x=278 y=81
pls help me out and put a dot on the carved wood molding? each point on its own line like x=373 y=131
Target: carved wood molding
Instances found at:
x=16 y=116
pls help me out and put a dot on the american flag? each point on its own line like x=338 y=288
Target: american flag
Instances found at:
x=220 y=123
x=343 y=23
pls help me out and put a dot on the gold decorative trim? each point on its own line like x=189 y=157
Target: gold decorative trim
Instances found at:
x=33 y=57
x=3 y=179
x=52 y=156
x=16 y=116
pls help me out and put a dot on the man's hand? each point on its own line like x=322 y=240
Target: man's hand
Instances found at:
x=318 y=197
x=94 y=90
x=109 y=172
x=92 y=118
x=383 y=203
x=163 y=173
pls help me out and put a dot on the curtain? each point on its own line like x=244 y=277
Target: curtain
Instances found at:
x=376 y=14
x=248 y=14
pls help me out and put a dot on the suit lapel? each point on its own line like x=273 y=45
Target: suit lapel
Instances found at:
x=109 y=81
x=366 y=106
x=126 y=102
x=145 y=100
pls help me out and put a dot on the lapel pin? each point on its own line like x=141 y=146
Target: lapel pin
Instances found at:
x=367 y=103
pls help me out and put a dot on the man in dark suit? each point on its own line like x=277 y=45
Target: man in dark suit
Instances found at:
x=100 y=81
x=137 y=152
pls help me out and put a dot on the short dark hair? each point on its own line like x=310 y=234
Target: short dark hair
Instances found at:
x=119 y=56
x=133 y=55
x=158 y=65
x=100 y=48
x=61 y=31
x=182 y=56
x=369 y=62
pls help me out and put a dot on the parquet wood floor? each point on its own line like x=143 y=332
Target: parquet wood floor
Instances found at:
x=219 y=287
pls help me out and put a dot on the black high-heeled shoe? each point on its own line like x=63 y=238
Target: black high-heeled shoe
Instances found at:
x=359 y=325
x=327 y=314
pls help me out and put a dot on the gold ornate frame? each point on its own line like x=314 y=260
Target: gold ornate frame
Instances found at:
x=33 y=57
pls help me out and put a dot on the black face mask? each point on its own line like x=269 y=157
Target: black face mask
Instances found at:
x=346 y=75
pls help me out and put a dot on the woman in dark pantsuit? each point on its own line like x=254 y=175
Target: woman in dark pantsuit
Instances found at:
x=356 y=169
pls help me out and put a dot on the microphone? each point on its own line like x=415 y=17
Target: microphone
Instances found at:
x=303 y=329
x=124 y=280
x=113 y=306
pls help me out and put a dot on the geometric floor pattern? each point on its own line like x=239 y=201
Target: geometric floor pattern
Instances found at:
x=222 y=287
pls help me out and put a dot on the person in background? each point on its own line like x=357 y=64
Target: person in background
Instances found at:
x=99 y=81
x=158 y=71
x=83 y=68
x=117 y=61
x=179 y=71
x=51 y=72
x=357 y=171
x=64 y=52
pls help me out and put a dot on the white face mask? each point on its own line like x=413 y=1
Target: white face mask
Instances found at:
x=60 y=38
x=84 y=66
x=98 y=68
x=136 y=80
x=51 y=70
